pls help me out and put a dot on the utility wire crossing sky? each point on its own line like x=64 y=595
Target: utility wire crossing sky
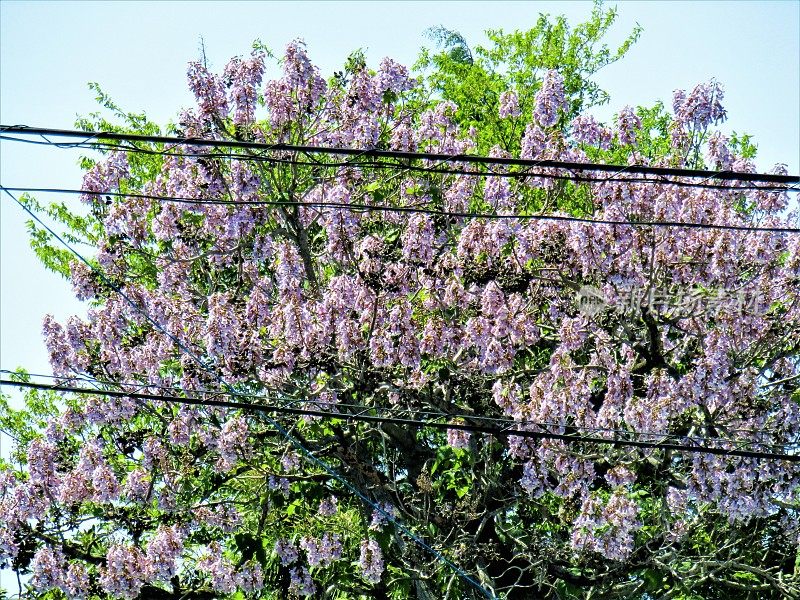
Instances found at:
x=92 y=138
x=497 y=431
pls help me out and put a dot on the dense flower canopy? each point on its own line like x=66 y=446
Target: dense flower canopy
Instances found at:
x=693 y=336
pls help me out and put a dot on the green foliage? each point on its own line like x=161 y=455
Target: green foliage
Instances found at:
x=475 y=79
x=454 y=46
x=25 y=424
x=133 y=122
x=743 y=145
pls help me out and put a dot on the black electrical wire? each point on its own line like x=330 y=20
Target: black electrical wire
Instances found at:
x=394 y=410
x=355 y=207
x=401 y=155
x=407 y=167
x=524 y=433
x=432 y=170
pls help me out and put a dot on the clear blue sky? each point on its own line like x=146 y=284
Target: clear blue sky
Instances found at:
x=138 y=53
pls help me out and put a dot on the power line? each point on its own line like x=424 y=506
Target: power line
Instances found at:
x=497 y=431
x=402 y=155
x=407 y=166
x=499 y=422
x=356 y=207
x=298 y=445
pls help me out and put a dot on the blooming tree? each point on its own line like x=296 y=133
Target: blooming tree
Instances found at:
x=692 y=335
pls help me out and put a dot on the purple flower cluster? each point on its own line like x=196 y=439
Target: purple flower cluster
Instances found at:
x=125 y=572
x=105 y=176
x=328 y=507
x=50 y=570
x=550 y=99
x=250 y=577
x=279 y=483
x=83 y=283
x=46 y=568
x=497 y=192
x=105 y=484
x=164 y=551
x=393 y=77
x=232 y=442
x=300 y=582
x=286 y=551
x=209 y=89
x=371 y=560
x=61 y=354
x=322 y=552
x=220 y=570
x=341 y=224
x=418 y=240
x=137 y=485
x=586 y=130
x=628 y=123
x=701 y=107
x=294 y=96
x=509 y=105
x=535 y=143
x=718 y=152
x=244 y=78
x=379 y=518
x=439 y=132
x=607 y=529
x=458 y=438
